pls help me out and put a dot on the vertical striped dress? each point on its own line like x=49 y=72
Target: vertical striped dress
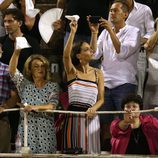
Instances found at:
x=80 y=131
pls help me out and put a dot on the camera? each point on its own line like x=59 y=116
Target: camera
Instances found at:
x=94 y=19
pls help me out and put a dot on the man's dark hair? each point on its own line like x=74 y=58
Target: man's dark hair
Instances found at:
x=16 y=13
x=132 y=98
x=125 y=7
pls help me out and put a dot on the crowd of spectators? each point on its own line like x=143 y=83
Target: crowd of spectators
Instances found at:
x=104 y=68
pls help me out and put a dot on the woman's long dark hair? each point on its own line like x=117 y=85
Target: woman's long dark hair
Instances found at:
x=76 y=49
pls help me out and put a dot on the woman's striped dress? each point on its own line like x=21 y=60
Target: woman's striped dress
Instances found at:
x=79 y=130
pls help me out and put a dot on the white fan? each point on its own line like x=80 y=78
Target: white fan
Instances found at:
x=45 y=23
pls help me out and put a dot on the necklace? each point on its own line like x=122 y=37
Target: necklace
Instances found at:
x=136 y=135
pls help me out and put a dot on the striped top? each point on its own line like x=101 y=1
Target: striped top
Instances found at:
x=81 y=131
x=82 y=93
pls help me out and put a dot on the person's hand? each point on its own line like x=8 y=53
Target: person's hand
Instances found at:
x=16 y=50
x=156 y=109
x=94 y=27
x=105 y=24
x=1 y=51
x=151 y=42
x=73 y=25
x=29 y=108
x=53 y=107
x=156 y=24
x=57 y=25
x=129 y=117
x=143 y=40
x=91 y=112
x=1 y=109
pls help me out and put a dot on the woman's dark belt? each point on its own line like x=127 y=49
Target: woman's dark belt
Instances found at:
x=75 y=106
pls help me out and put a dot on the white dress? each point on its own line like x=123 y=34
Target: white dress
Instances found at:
x=79 y=130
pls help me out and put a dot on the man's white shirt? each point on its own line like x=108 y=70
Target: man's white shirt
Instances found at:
x=121 y=68
x=142 y=18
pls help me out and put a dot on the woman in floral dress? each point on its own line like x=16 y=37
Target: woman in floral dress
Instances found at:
x=37 y=93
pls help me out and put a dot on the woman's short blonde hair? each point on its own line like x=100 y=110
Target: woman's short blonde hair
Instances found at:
x=28 y=64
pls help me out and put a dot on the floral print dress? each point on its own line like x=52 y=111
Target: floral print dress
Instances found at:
x=41 y=130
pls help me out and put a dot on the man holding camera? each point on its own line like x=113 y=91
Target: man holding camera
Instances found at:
x=119 y=45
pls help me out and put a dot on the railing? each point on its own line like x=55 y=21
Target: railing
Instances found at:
x=25 y=152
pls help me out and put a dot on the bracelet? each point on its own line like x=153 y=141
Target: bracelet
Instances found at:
x=94 y=32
